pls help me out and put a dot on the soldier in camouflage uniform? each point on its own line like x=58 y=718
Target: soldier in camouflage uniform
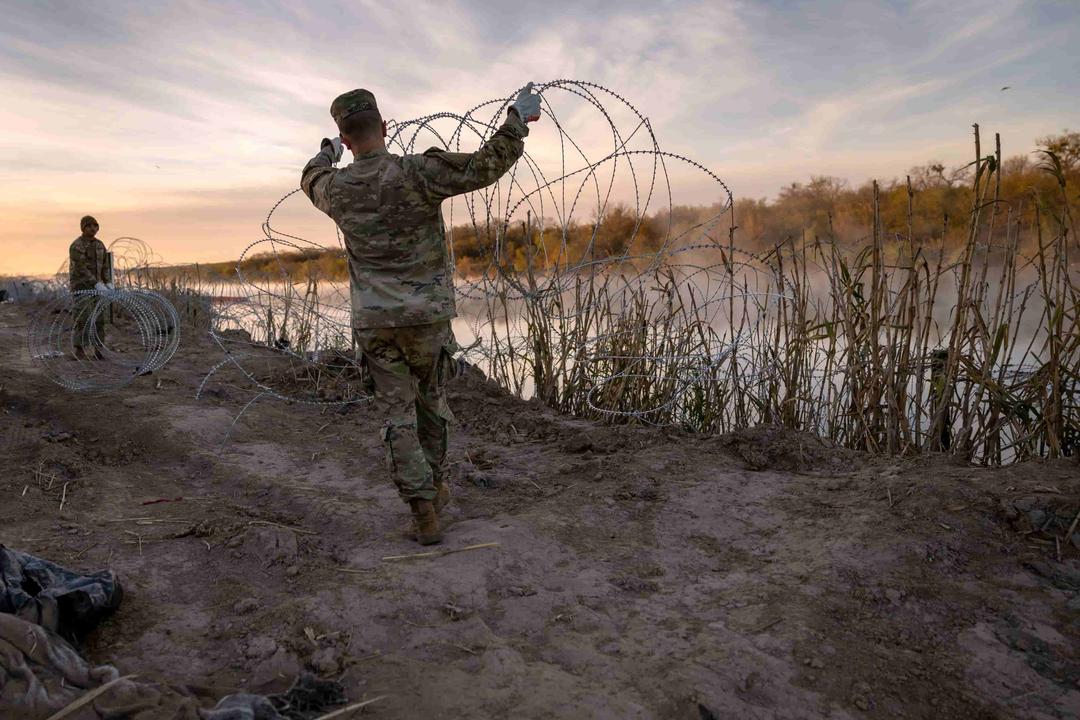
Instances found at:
x=402 y=291
x=87 y=267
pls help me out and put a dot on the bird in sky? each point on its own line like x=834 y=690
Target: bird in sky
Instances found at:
x=1006 y=88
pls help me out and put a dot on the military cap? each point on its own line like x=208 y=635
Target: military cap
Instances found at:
x=351 y=102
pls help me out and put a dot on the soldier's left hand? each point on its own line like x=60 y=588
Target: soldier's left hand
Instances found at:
x=527 y=105
x=332 y=147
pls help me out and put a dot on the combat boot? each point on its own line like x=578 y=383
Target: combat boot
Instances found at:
x=427 y=522
x=442 y=499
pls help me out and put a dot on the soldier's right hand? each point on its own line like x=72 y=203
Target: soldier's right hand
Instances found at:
x=332 y=147
x=527 y=105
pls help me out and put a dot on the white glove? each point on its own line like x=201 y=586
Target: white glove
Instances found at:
x=332 y=148
x=527 y=105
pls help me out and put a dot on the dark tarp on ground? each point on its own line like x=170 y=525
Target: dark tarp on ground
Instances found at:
x=41 y=673
x=54 y=597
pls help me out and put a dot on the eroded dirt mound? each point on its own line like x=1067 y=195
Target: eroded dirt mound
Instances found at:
x=636 y=572
x=775 y=448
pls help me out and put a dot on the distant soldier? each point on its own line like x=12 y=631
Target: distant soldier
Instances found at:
x=388 y=208
x=87 y=269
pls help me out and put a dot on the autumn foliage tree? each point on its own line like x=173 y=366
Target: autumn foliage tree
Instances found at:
x=823 y=207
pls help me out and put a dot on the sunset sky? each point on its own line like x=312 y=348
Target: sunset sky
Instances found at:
x=181 y=123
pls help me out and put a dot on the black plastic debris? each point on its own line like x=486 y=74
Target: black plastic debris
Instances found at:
x=242 y=706
x=309 y=696
x=44 y=593
x=43 y=605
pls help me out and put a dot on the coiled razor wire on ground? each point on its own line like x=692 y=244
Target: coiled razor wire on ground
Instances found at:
x=306 y=328
x=140 y=337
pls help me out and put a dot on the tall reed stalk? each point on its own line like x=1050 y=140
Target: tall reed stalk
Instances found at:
x=904 y=344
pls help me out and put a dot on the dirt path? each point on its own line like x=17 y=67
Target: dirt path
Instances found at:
x=639 y=573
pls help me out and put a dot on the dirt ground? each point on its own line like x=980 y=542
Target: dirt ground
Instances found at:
x=639 y=572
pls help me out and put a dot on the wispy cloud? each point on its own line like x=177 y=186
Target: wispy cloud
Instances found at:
x=186 y=120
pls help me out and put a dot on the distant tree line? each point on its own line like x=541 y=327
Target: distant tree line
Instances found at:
x=931 y=200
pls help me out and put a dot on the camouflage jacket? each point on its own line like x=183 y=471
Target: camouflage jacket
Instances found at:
x=87 y=263
x=387 y=207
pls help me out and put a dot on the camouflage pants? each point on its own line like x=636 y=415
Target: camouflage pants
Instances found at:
x=409 y=367
x=83 y=331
